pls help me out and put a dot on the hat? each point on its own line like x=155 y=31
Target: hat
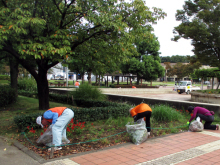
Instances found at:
x=190 y=108
x=38 y=121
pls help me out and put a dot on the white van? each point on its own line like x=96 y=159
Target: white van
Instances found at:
x=185 y=87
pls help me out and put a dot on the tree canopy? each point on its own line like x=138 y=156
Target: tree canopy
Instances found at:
x=146 y=65
x=200 y=22
x=48 y=32
x=174 y=59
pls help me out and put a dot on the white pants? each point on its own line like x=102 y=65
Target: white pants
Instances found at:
x=59 y=128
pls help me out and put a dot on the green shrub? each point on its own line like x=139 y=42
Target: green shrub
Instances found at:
x=7 y=95
x=28 y=93
x=86 y=91
x=27 y=84
x=165 y=113
x=22 y=121
x=4 y=77
x=80 y=114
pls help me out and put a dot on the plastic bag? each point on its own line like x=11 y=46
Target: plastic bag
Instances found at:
x=137 y=131
x=196 y=125
x=47 y=138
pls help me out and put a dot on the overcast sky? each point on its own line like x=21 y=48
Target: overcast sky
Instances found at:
x=164 y=28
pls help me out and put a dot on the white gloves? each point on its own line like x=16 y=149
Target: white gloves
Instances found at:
x=148 y=133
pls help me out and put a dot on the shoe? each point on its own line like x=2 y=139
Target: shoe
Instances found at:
x=55 y=148
x=66 y=142
x=217 y=126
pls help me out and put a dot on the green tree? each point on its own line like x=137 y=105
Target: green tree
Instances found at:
x=146 y=65
x=200 y=22
x=48 y=32
x=174 y=59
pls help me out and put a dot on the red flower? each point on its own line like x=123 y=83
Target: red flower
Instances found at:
x=191 y=114
x=41 y=133
x=68 y=129
x=28 y=127
x=91 y=123
x=71 y=120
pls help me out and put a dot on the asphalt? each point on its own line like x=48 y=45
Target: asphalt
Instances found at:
x=183 y=148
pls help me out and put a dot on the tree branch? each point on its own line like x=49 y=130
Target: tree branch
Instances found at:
x=4 y=3
x=57 y=6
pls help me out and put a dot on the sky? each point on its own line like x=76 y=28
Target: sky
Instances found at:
x=164 y=28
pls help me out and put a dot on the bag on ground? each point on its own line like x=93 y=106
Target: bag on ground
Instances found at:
x=196 y=125
x=47 y=138
x=137 y=131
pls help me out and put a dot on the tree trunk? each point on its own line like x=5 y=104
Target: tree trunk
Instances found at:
x=14 y=73
x=43 y=90
x=138 y=79
x=89 y=77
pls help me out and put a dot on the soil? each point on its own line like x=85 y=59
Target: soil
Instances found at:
x=88 y=143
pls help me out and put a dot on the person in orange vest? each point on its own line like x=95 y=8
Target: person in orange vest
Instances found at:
x=142 y=111
x=58 y=119
x=77 y=84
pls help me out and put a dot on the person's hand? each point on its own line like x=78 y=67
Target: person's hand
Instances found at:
x=50 y=127
x=148 y=133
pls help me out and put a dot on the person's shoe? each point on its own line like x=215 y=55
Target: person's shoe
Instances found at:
x=217 y=126
x=55 y=148
x=66 y=142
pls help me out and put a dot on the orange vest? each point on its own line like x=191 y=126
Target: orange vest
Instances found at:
x=76 y=83
x=139 y=109
x=58 y=110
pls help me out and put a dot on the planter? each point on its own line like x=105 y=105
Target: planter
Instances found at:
x=205 y=98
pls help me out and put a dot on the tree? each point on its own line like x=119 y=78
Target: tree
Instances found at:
x=174 y=59
x=182 y=70
x=146 y=64
x=200 y=22
x=47 y=32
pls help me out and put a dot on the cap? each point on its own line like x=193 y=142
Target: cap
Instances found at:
x=38 y=121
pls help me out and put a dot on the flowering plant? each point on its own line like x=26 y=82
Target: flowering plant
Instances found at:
x=75 y=127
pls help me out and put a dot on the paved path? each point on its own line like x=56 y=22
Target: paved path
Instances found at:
x=188 y=148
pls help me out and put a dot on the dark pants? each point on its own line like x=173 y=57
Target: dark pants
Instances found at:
x=147 y=115
x=208 y=121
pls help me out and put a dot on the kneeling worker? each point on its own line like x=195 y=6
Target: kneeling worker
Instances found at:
x=58 y=117
x=140 y=111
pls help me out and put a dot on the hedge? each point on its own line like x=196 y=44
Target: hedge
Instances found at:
x=137 y=86
x=87 y=110
x=4 y=77
x=7 y=95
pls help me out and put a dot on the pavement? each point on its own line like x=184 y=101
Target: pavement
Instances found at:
x=186 y=148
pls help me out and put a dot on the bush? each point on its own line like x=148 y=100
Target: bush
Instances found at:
x=28 y=93
x=22 y=121
x=4 y=77
x=165 y=113
x=86 y=91
x=80 y=114
x=7 y=95
x=27 y=84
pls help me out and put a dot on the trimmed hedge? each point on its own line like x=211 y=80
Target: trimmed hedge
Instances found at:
x=91 y=110
x=28 y=93
x=4 y=77
x=22 y=121
x=137 y=86
x=7 y=95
